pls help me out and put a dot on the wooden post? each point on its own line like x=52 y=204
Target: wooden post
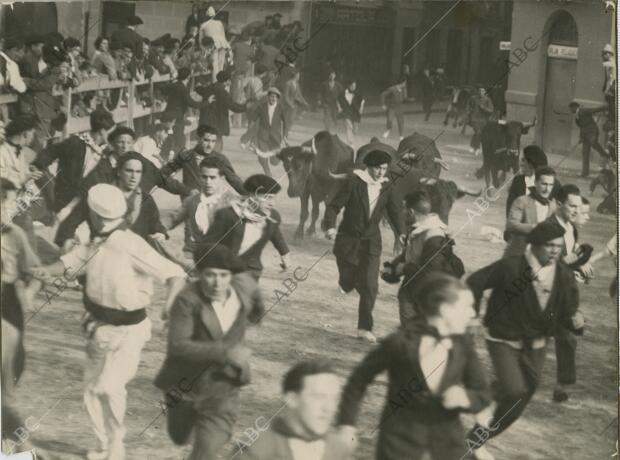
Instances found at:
x=130 y=103
x=67 y=95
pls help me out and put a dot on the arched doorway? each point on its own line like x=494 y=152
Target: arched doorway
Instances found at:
x=23 y=19
x=560 y=80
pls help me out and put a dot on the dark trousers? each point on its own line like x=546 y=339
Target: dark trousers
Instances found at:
x=427 y=106
x=395 y=112
x=401 y=437
x=211 y=420
x=518 y=375
x=565 y=355
x=364 y=278
x=590 y=140
x=178 y=137
x=407 y=310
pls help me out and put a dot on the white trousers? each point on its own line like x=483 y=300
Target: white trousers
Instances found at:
x=112 y=358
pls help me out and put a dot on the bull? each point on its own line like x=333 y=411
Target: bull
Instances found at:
x=313 y=171
x=501 y=145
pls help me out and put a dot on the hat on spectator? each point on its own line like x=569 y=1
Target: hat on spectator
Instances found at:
x=34 y=39
x=210 y=12
x=222 y=76
x=107 y=201
x=261 y=183
x=274 y=90
x=134 y=21
x=217 y=256
x=377 y=158
x=544 y=232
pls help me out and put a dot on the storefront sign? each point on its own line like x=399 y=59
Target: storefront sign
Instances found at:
x=562 y=52
x=504 y=46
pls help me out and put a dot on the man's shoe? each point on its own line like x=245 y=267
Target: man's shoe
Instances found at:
x=368 y=336
x=481 y=453
x=560 y=395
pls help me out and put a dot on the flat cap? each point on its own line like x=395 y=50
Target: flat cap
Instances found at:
x=107 y=201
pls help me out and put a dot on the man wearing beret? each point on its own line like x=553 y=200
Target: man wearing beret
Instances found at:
x=247 y=226
x=207 y=360
x=357 y=247
x=119 y=268
x=532 y=296
x=128 y=35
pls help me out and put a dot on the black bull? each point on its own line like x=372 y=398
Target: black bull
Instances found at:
x=316 y=169
x=501 y=144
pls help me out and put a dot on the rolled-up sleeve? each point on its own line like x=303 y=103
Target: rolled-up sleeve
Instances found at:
x=149 y=262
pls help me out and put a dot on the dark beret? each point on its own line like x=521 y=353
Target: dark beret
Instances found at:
x=535 y=155
x=212 y=255
x=134 y=21
x=222 y=76
x=261 y=183
x=377 y=158
x=544 y=232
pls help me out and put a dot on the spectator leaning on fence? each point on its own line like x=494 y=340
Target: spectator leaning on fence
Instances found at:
x=102 y=60
x=9 y=57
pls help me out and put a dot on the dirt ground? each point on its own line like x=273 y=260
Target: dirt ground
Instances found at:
x=316 y=320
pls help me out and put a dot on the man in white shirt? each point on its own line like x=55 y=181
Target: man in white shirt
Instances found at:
x=13 y=53
x=119 y=267
x=215 y=29
x=150 y=146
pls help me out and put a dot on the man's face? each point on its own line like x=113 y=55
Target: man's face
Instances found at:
x=104 y=46
x=27 y=137
x=123 y=143
x=161 y=136
x=215 y=282
x=544 y=185
x=548 y=252
x=332 y=76
x=272 y=98
x=207 y=142
x=377 y=172
x=193 y=31
x=16 y=54
x=37 y=49
x=264 y=202
x=569 y=210
x=211 y=180
x=145 y=48
x=456 y=315
x=8 y=207
x=352 y=86
x=584 y=215
x=315 y=405
x=130 y=175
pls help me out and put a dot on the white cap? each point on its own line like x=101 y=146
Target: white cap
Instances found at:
x=107 y=201
x=608 y=49
x=210 y=11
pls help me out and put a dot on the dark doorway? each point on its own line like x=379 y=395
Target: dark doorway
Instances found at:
x=114 y=15
x=23 y=19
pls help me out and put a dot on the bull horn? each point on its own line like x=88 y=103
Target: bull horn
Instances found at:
x=340 y=176
x=469 y=192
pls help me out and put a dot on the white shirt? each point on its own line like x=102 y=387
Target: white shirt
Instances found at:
x=227 y=311
x=530 y=181
x=92 y=155
x=569 y=234
x=543 y=277
x=214 y=29
x=373 y=187
x=147 y=147
x=13 y=167
x=205 y=210
x=270 y=110
x=433 y=355
x=306 y=450
x=348 y=96
x=252 y=233
x=13 y=77
x=541 y=211
x=120 y=270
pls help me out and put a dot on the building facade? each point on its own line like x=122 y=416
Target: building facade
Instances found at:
x=564 y=65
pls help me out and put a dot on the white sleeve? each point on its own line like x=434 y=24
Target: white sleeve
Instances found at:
x=148 y=261
x=75 y=260
x=15 y=79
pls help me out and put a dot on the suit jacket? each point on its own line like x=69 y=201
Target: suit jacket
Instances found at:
x=189 y=162
x=553 y=218
x=350 y=111
x=129 y=36
x=228 y=229
x=38 y=99
x=29 y=66
x=357 y=224
x=585 y=120
x=522 y=219
x=197 y=360
x=273 y=444
x=518 y=188
x=70 y=154
x=399 y=355
x=269 y=135
x=217 y=113
x=179 y=101
x=513 y=310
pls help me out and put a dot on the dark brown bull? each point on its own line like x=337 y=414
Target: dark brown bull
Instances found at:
x=501 y=145
x=313 y=171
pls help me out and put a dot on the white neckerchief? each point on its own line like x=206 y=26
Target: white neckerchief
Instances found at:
x=270 y=111
x=227 y=310
x=306 y=450
x=373 y=187
x=543 y=276
x=569 y=234
x=431 y=221
x=348 y=95
x=204 y=211
x=92 y=155
x=530 y=181
x=433 y=356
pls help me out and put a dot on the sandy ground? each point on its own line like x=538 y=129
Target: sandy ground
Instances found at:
x=315 y=320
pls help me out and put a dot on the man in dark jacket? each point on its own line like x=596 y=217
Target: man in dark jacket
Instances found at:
x=128 y=35
x=357 y=247
x=588 y=133
x=216 y=114
x=207 y=360
x=532 y=296
x=248 y=226
x=32 y=63
x=433 y=375
x=189 y=161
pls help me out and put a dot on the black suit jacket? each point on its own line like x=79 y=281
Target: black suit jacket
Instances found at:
x=228 y=229
x=216 y=114
x=517 y=189
x=179 y=101
x=129 y=36
x=358 y=225
x=585 y=120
